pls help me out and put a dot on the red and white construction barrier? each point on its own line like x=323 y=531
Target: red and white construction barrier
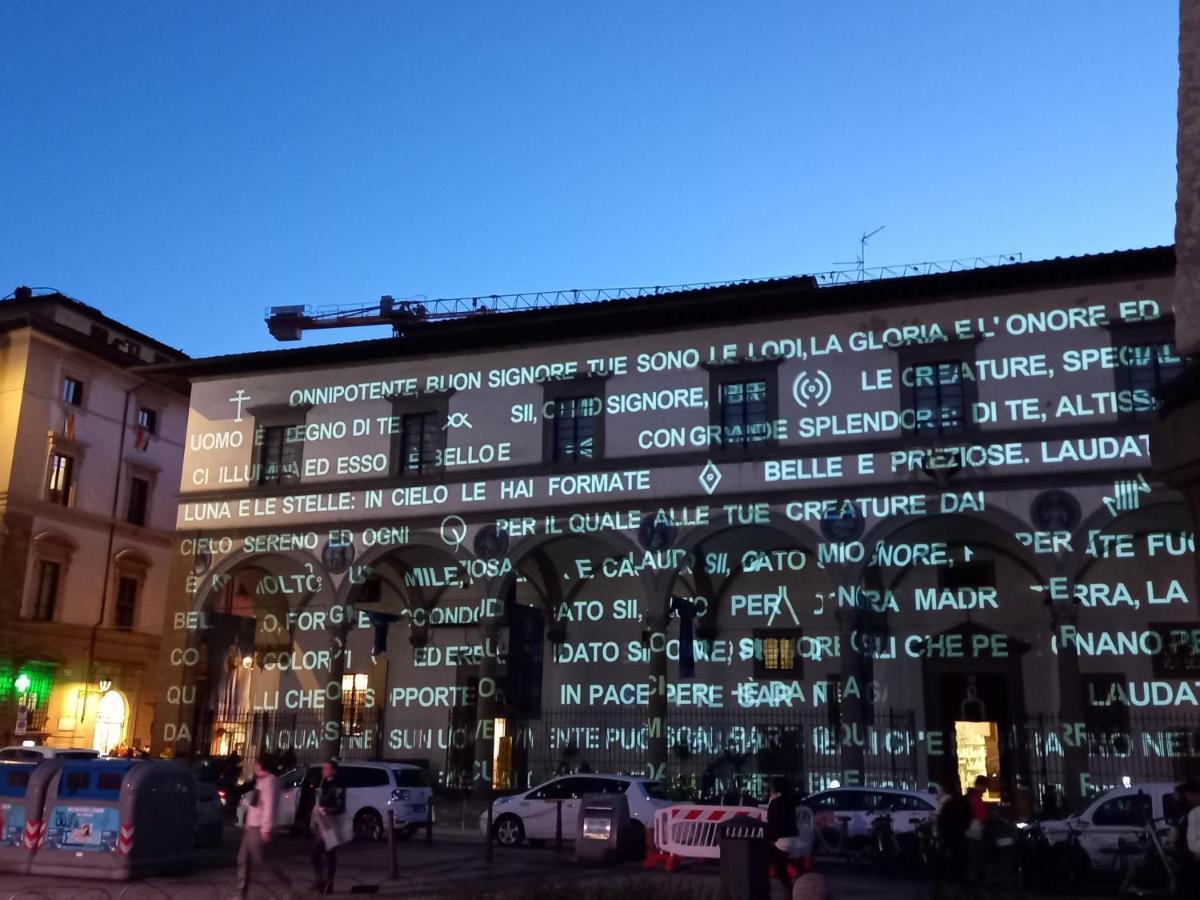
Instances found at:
x=694 y=832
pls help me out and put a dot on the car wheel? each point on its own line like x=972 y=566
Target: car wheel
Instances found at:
x=508 y=831
x=368 y=826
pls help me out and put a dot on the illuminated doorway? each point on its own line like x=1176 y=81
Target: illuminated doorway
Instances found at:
x=977 y=746
x=111 y=713
x=501 y=755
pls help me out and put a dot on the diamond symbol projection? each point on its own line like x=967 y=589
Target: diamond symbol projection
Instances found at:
x=710 y=477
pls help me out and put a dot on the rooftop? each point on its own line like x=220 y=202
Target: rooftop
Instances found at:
x=724 y=303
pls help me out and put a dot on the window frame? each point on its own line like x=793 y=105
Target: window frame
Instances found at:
x=743 y=373
x=81 y=385
x=761 y=670
x=132 y=565
x=131 y=495
x=36 y=613
x=940 y=353
x=1157 y=334
x=132 y=607
x=152 y=418
x=261 y=432
x=567 y=449
x=64 y=496
x=437 y=419
x=554 y=392
x=405 y=405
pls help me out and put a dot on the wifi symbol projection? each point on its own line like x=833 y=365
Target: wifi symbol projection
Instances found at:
x=814 y=388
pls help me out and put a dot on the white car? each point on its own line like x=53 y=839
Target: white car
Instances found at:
x=533 y=815
x=844 y=814
x=38 y=752
x=372 y=789
x=1117 y=814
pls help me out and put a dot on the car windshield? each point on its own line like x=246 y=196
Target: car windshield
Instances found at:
x=654 y=790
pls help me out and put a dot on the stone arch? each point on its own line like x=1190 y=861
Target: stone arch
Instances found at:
x=995 y=530
x=1162 y=513
x=404 y=571
x=743 y=540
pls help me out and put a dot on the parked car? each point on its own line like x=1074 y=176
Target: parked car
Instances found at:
x=38 y=752
x=372 y=789
x=1115 y=815
x=226 y=773
x=533 y=815
x=842 y=817
x=210 y=815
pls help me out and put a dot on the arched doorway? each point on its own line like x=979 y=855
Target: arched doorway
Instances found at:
x=111 y=713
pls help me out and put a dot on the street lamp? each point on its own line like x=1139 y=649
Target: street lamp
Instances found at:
x=22 y=684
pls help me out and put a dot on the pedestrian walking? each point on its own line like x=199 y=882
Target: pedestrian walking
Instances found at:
x=255 y=848
x=977 y=831
x=329 y=815
x=781 y=830
x=1187 y=840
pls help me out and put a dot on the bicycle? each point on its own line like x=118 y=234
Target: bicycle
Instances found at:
x=1152 y=873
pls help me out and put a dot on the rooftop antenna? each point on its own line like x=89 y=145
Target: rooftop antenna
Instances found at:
x=861 y=261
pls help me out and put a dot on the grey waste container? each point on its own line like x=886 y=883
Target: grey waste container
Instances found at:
x=22 y=796
x=744 y=860
x=118 y=819
x=603 y=827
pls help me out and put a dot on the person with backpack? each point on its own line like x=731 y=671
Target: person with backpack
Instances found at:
x=781 y=830
x=329 y=815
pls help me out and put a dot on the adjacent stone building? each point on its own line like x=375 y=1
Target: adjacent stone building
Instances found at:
x=90 y=457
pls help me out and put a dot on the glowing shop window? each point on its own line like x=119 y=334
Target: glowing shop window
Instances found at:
x=977 y=745
x=501 y=755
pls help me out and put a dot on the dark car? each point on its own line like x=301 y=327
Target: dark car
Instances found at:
x=225 y=772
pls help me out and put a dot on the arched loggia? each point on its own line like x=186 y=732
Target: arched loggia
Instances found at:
x=954 y=590
x=540 y=606
x=251 y=616
x=404 y=597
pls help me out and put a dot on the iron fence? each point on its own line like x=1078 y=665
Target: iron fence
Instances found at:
x=717 y=752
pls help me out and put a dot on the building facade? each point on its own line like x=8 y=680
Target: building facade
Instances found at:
x=90 y=456
x=901 y=531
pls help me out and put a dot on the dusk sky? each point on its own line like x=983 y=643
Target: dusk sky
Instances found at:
x=184 y=166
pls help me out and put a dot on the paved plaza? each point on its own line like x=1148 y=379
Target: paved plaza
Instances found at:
x=453 y=867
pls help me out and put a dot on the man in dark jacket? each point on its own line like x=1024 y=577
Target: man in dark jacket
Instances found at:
x=327 y=814
x=781 y=828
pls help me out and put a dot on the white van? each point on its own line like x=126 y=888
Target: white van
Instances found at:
x=1117 y=814
x=372 y=789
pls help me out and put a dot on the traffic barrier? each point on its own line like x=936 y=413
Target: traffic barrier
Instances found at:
x=694 y=832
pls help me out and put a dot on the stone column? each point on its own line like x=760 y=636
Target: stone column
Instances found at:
x=339 y=640
x=486 y=705
x=1072 y=703
x=656 y=706
x=853 y=719
x=185 y=632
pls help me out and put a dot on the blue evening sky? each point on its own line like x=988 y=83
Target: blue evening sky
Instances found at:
x=184 y=165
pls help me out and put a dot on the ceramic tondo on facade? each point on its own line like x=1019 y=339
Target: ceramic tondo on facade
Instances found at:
x=898 y=532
